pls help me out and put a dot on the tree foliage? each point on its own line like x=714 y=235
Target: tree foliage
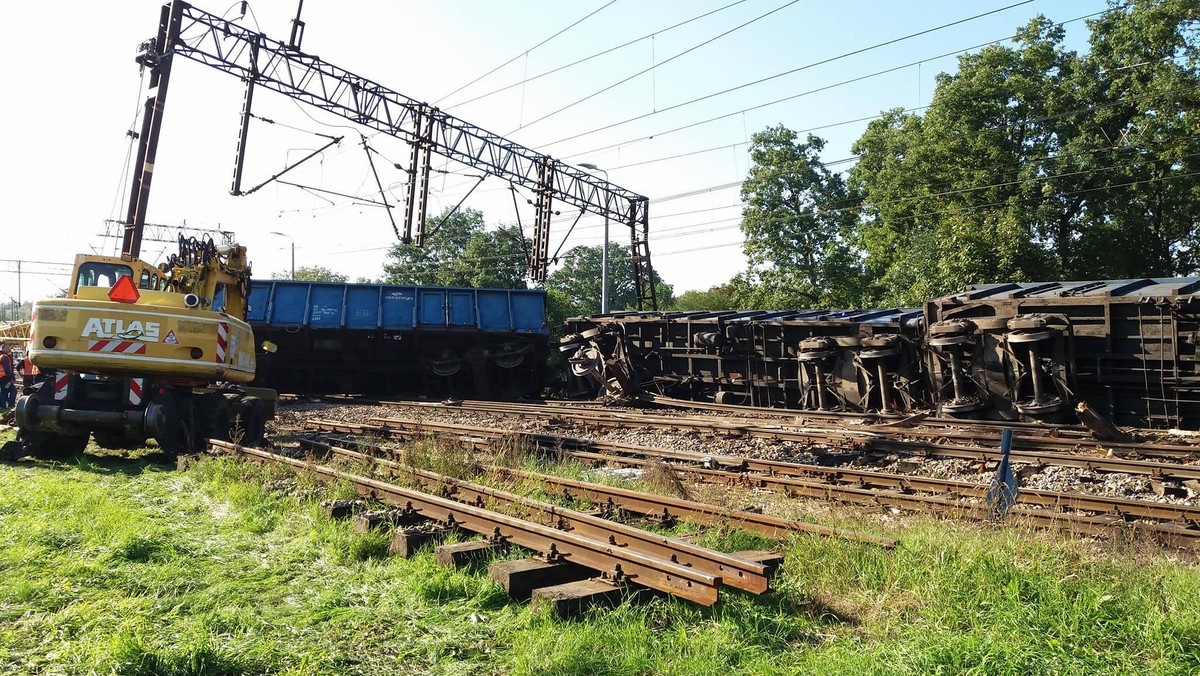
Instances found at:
x=579 y=280
x=1035 y=162
x=720 y=297
x=798 y=219
x=1032 y=162
x=458 y=251
x=312 y=273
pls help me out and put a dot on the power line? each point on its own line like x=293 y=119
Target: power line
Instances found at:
x=804 y=67
x=693 y=48
x=963 y=209
x=960 y=191
x=564 y=30
x=708 y=247
x=593 y=56
x=770 y=103
x=810 y=129
x=1059 y=156
x=1091 y=151
x=811 y=65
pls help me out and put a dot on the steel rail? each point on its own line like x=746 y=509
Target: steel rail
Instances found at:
x=616 y=563
x=734 y=571
x=1103 y=524
x=913 y=448
x=881 y=441
x=1173 y=534
x=1032 y=436
x=661 y=506
x=1122 y=507
x=646 y=503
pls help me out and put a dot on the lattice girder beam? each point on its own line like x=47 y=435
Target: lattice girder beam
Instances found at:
x=226 y=46
x=264 y=62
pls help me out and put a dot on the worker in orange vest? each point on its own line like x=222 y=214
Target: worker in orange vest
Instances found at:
x=8 y=378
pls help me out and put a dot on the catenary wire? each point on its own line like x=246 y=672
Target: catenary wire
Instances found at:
x=593 y=56
x=693 y=48
x=564 y=30
x=768 y=103
x=955 y=210
x=593 y=151
x=807 y=66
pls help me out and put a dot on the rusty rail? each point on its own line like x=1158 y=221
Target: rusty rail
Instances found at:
x=733 y=571
x=616 y=563
x=657 y=505
x=1036 y=450
x=1031 y=436
x=1176 y=522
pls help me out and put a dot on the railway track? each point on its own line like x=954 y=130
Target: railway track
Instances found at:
x=620 y=554
x=1145 y=443
x=621 y=565
x=1178 y=525
x=612 y=499
x=878 y=441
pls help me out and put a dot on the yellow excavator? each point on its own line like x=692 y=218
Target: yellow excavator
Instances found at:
x=138 y=351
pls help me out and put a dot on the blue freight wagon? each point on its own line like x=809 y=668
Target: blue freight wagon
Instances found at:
x=385 y=340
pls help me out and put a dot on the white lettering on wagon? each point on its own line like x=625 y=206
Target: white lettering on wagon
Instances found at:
x=106 y=327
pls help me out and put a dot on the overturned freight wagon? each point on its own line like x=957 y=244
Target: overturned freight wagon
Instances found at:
x=802 y=359
x=1031 y=351
x=1034 y=350
x=385 y=340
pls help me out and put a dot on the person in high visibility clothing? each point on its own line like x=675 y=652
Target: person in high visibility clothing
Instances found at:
x=8 y=378
x=29 y=374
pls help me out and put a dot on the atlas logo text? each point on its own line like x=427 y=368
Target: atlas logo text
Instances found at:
x=104 y=327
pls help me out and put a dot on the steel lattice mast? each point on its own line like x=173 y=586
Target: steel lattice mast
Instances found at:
x=261 y=61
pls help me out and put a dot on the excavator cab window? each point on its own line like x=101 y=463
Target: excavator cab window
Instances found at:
x=101 y=274
x=151 y=281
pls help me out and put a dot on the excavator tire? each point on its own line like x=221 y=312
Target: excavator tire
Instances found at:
x=180 y=422
x=45 y=444
x=253 y=421
x=214 y=417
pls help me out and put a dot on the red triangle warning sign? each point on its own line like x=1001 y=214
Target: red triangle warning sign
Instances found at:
x=171 y=339
x=124 y=290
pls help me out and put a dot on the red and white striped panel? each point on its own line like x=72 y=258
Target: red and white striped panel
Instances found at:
x=222 y=340
x=117 y=346
x=135 y=392
x=60 y=385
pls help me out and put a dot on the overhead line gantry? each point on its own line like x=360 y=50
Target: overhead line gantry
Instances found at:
x=261 y=61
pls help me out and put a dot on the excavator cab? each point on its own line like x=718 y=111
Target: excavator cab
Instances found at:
x=104 y=271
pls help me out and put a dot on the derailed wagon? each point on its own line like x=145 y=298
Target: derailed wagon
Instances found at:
x=1034 y=351
x=387 y=340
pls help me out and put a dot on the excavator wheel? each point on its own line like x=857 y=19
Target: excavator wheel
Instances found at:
x=178 y=426
x=252 y=421
x=41 y=444
x=214 y=417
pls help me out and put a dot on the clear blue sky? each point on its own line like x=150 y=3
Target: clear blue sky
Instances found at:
x=72 y=90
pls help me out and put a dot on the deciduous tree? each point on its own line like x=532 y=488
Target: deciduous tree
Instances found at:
x=579 y=280
x=458 y=251
x=799 y=220
x=1035 y=162
x=312 y=273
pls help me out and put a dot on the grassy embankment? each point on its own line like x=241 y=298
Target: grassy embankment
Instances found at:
x=122 y=566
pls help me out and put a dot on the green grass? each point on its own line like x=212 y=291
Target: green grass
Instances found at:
x=112 y=565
